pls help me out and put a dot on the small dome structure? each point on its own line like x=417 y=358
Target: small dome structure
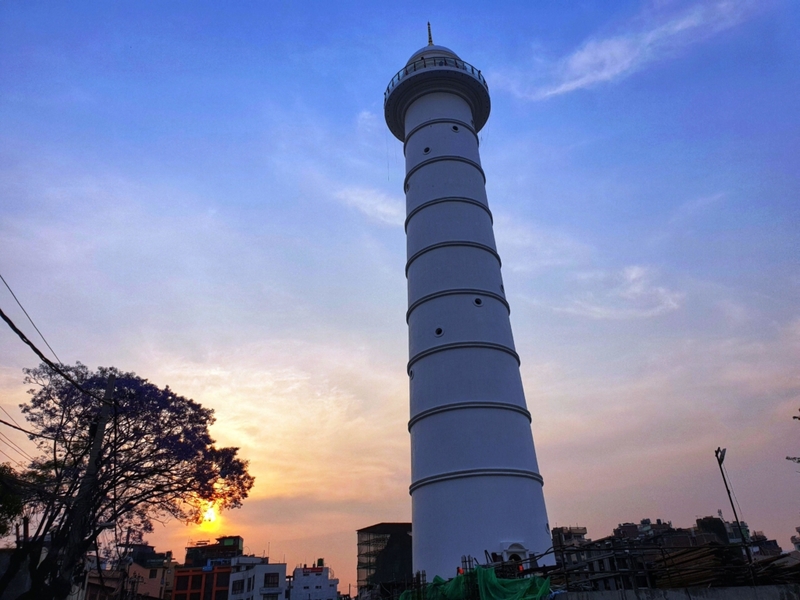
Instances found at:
x=431 y=51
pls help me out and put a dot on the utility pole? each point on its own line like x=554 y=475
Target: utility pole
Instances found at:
x=79 y=518
x=720 y=454
x=124 y=566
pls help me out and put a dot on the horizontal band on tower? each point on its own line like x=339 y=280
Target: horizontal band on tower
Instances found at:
x=434 y=122
x=460 y=346
x=452 y=157
x=475 y=473
x=457 y=292
x=448 y=199
x=454 y=243
x=467 y=405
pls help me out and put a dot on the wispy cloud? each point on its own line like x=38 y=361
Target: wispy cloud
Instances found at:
x=648 y=38
x=696 y=206
x=630 y=293
x=375 y=204
x=528 y=247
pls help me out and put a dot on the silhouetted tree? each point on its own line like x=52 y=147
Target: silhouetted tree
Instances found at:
x=11 y=498
x=157 y=461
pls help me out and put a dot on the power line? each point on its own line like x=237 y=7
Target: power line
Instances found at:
x=9 y=415
x=28 y=432
x=732 y=491
x=49 y=362
x=29 y=318
x=16 y=446
x=20 y=452
x=14 y=460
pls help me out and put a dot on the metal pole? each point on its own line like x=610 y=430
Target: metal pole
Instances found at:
x=720 y=454
x=80 y=518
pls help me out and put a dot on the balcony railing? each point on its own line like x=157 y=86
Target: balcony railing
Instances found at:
x=430 y=63
x=270 y=589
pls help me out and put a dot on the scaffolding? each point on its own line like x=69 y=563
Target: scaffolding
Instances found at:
x=384 y=560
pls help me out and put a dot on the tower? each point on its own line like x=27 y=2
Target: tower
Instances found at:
x=475 y=484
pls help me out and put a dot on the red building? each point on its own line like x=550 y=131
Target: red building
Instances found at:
x=206 y=573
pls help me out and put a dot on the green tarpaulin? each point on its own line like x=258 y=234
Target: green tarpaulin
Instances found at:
x=481 y=584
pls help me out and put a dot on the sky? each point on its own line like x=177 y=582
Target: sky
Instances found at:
x=207 y=194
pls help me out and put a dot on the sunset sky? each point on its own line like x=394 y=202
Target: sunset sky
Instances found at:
x=206 y=193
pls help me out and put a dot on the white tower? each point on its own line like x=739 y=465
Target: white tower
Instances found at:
x=475 y=480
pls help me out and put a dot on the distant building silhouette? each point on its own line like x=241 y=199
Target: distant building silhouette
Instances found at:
x=384 y=559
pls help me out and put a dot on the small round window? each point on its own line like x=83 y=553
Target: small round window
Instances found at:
x=477 y=302
x=426 y=150
x=438 y=332
x=455 y=128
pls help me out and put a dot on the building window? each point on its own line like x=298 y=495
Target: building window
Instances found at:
x=223 y=579
x=269 y=597
x=221 y=595
x=237 y=587
x=197 y=582
x=271 y=580
x=153 y=573
x=182 y=582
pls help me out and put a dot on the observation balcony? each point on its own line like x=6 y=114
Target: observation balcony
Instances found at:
x=435 y=69
x=433 y=62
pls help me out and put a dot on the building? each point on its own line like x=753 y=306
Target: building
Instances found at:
x=384 y=560
x=657 y=555
x=569 y=536
x=314 y=583
x=146 y=571
x=475 y=482
x=202 y=583
x=227 y=547
x=796 y=540
x=206 y=573
x=254 y=578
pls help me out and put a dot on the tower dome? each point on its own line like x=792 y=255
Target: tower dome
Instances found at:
x=430 y=70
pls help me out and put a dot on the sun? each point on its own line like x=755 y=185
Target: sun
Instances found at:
x=211 y=520
x=210 y=515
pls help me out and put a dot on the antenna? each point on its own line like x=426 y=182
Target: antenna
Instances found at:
x=430 y=37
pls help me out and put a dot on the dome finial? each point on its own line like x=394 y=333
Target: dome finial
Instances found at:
x=430 y=37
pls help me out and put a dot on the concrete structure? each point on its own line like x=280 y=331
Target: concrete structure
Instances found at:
x=476 y=485
x=763 y=592
x=207 y=569
x=203 y=552
x=314 y=583
x=209 y=581
x=384 y=560
x=255 y=578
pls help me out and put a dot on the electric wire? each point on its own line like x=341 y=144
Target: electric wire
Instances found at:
x=733 y=493
x=10 y=447
x=29 y=318
x=14 y=460
x=46 y=437
x=49 y=362
x=10 y=442
x=9 y=415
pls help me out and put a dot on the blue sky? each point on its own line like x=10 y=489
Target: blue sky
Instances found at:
x=207 y=194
